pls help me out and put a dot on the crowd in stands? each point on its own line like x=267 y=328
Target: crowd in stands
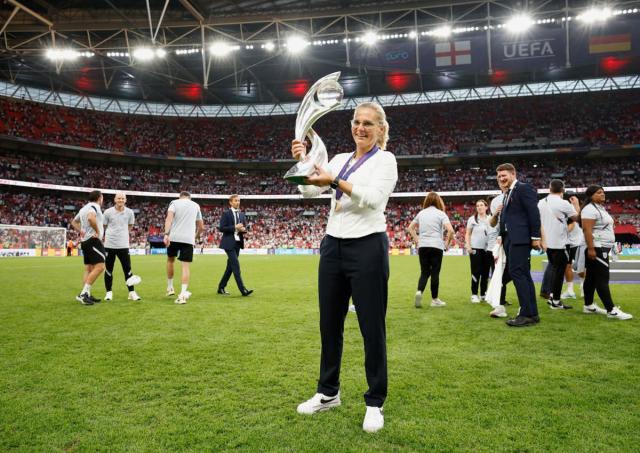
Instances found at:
x=585 y=119
x=295 y=224
x=573 y=170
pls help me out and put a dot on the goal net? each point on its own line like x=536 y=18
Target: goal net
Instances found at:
x=20 y=240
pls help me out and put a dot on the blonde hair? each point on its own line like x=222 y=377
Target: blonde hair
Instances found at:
x=382 y=119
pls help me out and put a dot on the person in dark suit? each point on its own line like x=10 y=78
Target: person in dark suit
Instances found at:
x=233 y=228
x=520 y=232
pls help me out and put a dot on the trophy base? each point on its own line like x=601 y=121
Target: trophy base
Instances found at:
x=297 y=179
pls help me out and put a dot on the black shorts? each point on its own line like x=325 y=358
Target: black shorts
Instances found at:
x=572 y=254
x=183 y=251
x=93 y=251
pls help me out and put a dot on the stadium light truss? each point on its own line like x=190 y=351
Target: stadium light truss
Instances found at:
x=102 y=104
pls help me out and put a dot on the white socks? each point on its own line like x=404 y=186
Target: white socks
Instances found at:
x=169 y=283
x=570 y=287
x=184 y=288
x=86 y=289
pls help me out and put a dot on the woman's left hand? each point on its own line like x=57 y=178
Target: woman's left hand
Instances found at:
x=320 y=177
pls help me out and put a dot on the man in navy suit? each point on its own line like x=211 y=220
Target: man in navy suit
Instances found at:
x=520 y=231
x=232 y=226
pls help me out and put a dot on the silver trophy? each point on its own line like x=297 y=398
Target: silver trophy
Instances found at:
x=325 y=95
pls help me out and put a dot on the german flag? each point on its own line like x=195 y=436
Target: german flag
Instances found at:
x=610 y=43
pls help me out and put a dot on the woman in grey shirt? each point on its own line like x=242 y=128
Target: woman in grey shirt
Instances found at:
x=431 y=223
x=476 y=243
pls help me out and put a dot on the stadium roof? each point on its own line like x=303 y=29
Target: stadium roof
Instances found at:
x=191 y=72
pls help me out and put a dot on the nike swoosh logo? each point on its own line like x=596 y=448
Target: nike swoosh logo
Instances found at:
x=323 y=401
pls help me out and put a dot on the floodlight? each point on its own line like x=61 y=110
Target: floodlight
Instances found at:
x=595 y=15
x=519 y=23
x=220 y=49
x=62 y=54
x=442 y=32
x=269 y=46
x=370 y=38
x=413 y=34
x=296 y=44
x=161 y=53
x=143 y=54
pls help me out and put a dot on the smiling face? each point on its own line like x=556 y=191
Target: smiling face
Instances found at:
x=481 y=207
x=366 y=129
x=506 y=178
x=120 y=200
x=235 y=202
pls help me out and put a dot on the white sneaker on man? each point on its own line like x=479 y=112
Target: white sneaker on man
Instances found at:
x=134 y=296
x=438 y=303
x=616 y=313
x=418 y=299
x=475 y=299
x=109 y=295
x=318 y=403
x=352 y=308
x=373 y=419
x=568 y=295
x=171 y=292
x=593 y=309
x=182 y=299
x=498 y=312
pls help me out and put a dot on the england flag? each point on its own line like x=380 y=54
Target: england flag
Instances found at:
x=453 y=53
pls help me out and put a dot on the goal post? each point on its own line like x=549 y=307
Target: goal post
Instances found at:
x=23 y=240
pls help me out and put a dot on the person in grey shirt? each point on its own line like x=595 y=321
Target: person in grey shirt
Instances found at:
x=88 y=222
x=118 y=221
x=181 y=228
x=555 y=213
x=431 y=222
x=476 y=242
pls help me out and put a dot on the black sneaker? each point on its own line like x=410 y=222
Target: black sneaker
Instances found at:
x=93 y=299
x=223 y=292
x=247 y=292
x=558 y=306
x=84 y=299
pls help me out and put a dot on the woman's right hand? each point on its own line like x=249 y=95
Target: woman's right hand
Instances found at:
x=591 y=254
x=298 y=149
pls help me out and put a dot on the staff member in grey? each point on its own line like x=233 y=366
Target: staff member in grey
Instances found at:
x=476 y=244
x=181 y=228
x=432 y=222
x=555 y=213
x=118 y=221
x=597 y=225
x=354 y=258
x=88 y=222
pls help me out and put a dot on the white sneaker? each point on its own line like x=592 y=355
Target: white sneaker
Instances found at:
x=483 y=299
x=568 y=295
x=373 y=419
x=593 y=309
x=318 y=403
x=134 y=280
x=181 y=300
x=498 y=312
x=418 y=299
x=109 y=295
x=134 y=296
x=352 y=308
x=475 y=299
x=171 y=292
x=438 y=303
x=616 y=313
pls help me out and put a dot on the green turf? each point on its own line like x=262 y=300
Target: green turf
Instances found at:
x=225 y=373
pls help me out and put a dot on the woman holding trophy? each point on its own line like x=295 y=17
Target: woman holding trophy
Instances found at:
x=354 y=260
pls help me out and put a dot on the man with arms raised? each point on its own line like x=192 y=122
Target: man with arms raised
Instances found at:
x=181 y=227
x=118 y=221
x=88 y=222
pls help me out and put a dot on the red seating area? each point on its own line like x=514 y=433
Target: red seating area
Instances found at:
x=274 y=225
x=609 y=118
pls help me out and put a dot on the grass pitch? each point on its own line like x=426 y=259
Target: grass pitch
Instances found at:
x=224 y=373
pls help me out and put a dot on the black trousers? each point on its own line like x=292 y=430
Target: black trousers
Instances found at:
x=357 y=269
x=519 y=265
x=233 y=267
x=558 y=258
x=480 y=267
x=430 y=263
x=110 y=261
x=597 y=278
